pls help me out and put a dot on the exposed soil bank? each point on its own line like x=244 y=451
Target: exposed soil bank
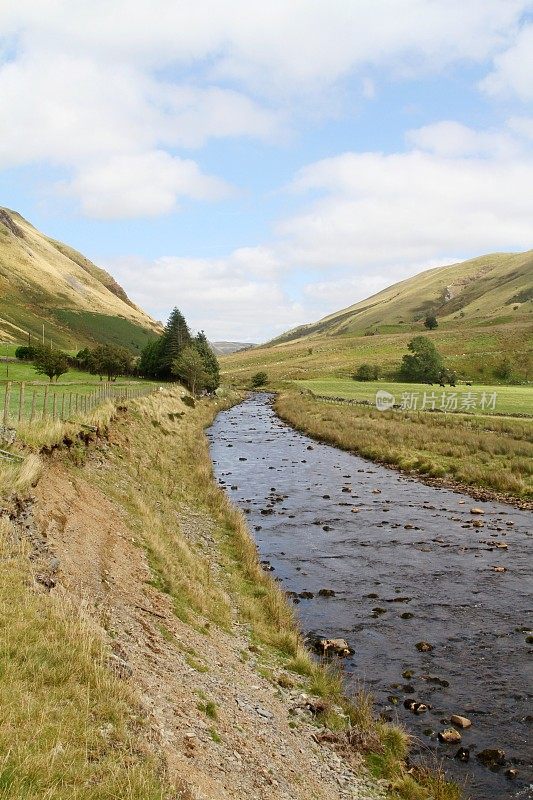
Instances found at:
x=402 y=563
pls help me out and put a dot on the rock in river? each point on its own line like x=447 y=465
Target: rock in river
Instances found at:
x=449 y=736
x=461 y=722
x=463 y=755
x=339 y=647
x=491 y=758
x=424 y=647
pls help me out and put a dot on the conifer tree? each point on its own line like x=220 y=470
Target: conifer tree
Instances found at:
x=176 y=337
x=209 y=360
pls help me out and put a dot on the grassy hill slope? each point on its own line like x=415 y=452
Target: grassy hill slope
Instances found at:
x=482 y=290
x=484 y=308
x=43 y=281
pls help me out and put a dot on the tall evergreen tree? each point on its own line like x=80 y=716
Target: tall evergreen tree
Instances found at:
x=210 y=361
x=175 y=338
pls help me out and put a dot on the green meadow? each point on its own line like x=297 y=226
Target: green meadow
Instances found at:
x=476 y=399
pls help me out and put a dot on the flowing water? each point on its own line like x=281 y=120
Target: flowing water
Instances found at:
x=406 y=564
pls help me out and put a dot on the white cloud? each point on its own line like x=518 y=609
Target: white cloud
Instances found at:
x=148 y=184
x=450 y=138
x=276 y=45
x=402 y=208
x=377 y=219
x=523 y=126
x=80 y=114
x=85 y=82
x=238 y=298
x=513 y=69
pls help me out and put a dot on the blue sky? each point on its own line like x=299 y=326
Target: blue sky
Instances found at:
x=263 y=166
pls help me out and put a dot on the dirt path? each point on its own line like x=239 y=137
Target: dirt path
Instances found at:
x=224 y=729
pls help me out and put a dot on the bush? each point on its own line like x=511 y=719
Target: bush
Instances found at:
x=503 y=369
x=431 y=322
x=26 y=353
x=366 y=372
x=259 y=379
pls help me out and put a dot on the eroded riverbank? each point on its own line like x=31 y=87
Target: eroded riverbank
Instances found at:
x=407 y=563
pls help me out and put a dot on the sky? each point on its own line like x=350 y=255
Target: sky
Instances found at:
x=260 y=165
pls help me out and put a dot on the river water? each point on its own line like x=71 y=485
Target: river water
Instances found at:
x=407 y=565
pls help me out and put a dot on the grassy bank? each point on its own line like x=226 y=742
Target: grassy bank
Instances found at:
x=479 y=452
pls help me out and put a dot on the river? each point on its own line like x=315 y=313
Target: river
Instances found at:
x=407 y=563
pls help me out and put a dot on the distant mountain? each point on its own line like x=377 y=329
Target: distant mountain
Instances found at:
x=45 y=282
x=495 y=288
x=226 y=348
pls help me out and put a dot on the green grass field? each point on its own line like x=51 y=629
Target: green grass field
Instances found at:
x=74 y=382
x=477 y=399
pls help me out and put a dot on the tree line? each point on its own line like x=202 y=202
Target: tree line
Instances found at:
x=175 y=354
x=179 y=354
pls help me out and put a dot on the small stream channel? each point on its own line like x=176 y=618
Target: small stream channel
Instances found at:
x=406 y=564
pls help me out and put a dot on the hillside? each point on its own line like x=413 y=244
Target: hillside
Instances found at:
x=482 y=290
x=43 y=281
x=226 y=348
x=484 y=309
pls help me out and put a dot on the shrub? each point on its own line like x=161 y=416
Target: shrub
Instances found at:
x=26 y=353
x=259 y=379
x=503 y=370
x=366 y=372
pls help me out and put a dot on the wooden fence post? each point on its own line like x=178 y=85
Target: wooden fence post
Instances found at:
x=21 y=401
x=63 y=407
x=33 y=402
x=54 y=406
x=7 y=401
x=45 y=401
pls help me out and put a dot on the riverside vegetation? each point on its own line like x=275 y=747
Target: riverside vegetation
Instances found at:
x=140 y=499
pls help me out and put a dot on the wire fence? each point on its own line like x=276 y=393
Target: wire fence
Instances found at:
x=20 y=402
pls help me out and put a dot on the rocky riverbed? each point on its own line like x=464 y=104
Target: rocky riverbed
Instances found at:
x=428 y=588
